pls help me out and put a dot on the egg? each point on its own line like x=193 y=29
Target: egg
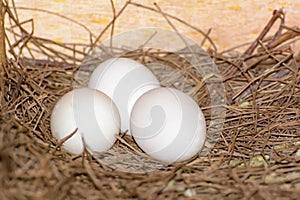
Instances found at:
x=124 y=80
x=92 y=113
x=168 y=125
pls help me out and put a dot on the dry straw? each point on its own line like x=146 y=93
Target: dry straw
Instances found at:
x=256 y=157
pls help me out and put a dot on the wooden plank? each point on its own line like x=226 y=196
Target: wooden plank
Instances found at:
x=232 y=21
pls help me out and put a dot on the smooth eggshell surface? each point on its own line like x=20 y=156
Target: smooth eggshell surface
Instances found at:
x=95 y=116
x=124 y=80
x=168 y=125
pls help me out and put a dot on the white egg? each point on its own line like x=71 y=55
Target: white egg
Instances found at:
x=168 y=125
x=124 y=80
x=93 y=113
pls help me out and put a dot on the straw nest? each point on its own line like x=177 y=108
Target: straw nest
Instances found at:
x=256 y=155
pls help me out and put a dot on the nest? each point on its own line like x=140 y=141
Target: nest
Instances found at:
x=256 y=155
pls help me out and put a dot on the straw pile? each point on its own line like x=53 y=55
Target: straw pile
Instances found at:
x=256 y=157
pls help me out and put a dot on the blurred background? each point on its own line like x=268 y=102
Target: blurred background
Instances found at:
x=233 y=22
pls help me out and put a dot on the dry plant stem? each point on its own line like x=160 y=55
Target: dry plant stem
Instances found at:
x=14 y=9
x=173 y=63
x=56 y=14
x=113 y=23
x=26 y=36
x=45 y=63
x=248 y=78
x=9 y=19
x=91 y=173
x=127 y=144
x=232 y=145
x=108 y=25
x=205 y=38
x=173 y=27
x=2 y=52
x=43 y=40
x=66 y=138
x=290 y=34
x=2 y=39
x=276 y=14
x=38 y=42
x=261 y=76
x=179 y=20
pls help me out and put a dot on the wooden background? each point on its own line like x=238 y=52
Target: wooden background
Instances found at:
x=232 y=21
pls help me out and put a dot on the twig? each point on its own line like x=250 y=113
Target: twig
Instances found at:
x=67 y=137
x=290 y=34
x=276 y=14
x=174 y=28
x=205 y=38
x=57 y=14
x=108 y=25
x=179 y=20
x=113 y=23
x=261 y=76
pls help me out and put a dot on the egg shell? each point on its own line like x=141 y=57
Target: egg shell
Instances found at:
x=124 y=80
x=93 y=113
x=168 y=125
